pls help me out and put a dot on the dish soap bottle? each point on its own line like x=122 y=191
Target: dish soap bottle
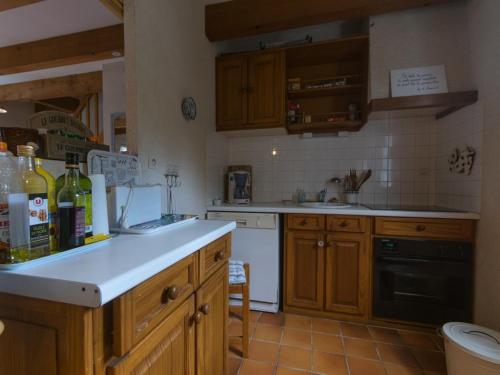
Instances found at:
x=51 y=188
x=86 y=186
x=71 y=207
x=35 y=186
x=14 y=219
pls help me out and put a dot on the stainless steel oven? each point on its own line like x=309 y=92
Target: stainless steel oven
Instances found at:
x=422 y=280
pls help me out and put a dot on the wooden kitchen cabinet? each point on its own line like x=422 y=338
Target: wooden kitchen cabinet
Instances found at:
x=168 y=350
x=211 y=324
x=174 y=323
x=347 y=273
x=250 y=91
x=327 y=272
x=304 y=269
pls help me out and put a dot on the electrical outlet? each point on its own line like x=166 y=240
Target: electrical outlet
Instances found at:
x=152 y=162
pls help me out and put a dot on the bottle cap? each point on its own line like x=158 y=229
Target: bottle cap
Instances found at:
x=25 y=150
x=3 y=147
x=72 y=160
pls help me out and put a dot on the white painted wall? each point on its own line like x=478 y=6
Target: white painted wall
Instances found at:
x=485 y=39
x=113 y=96
x=172 y=59
x=17 y=114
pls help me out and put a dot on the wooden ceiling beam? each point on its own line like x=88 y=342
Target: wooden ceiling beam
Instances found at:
x=115 y=7
x=85 y=46
x=11 y=4
x=241 y=18
x=73 y=85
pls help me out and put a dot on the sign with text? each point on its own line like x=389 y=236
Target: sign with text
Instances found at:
x=419 y=81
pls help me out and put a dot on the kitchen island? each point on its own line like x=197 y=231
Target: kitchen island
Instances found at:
x=154 y=303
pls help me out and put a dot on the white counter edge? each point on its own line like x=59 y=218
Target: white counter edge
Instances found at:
x=362 y=211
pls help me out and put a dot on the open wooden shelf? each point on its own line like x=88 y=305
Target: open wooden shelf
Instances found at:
x=324 y=127
x=438 y=105
x=326 y=91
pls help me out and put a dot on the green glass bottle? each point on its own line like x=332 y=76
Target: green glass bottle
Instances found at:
x=86 y=186
x=71 y=207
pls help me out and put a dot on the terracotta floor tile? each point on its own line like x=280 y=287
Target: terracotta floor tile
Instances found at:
x=297 y=321
x=393 y=369
x=330 y=364
x=277 y=319
x=266 y=332
x=233 y=365
x=235 y=327
x=326 y=326
x=430 y=360
x=399 y=355
x=250 y=367
x=254 y=316
x=289 y=371
x=235 y=347
x=360 y=366
x=295 y=337
x=263 y=351
x=387 y=335
x=357 y=331
x=327 y=343
x=296 y=358
x=418 y=340
x=360 y=348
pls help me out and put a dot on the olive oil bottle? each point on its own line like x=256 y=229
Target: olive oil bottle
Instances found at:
x=51 y=191
x=71 y=207
x=36 y=187
x=86 y=186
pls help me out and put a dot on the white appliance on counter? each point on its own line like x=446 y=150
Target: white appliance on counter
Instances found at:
x=256 y=241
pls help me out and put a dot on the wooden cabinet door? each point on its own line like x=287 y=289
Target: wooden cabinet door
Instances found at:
x=211 y=324
x=231 y=92
x=266 y=89
x=304 y=266
x=28 y=349
x=168 y=350
x=347 y=274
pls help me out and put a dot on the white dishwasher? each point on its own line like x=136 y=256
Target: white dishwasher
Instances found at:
x=256 y=241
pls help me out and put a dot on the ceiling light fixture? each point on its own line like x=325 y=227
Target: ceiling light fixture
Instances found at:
x=3 y=110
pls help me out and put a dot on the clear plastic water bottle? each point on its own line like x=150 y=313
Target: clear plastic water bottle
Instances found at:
x=14 y=211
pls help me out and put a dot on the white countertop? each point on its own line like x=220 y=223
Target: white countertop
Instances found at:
x=289 y=208
x=98 y=276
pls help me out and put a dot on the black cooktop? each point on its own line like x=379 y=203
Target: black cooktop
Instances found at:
x=390 y=207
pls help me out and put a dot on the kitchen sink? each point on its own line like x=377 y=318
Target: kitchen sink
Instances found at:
x=324 y=205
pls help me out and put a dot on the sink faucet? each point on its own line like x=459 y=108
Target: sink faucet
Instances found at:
x=322 y=195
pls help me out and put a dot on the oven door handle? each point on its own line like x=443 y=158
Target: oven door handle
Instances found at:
x=404 y=260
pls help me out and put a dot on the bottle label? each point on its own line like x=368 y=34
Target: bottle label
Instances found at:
x=79 y=221
x=39 y=219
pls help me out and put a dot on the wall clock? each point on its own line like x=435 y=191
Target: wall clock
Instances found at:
x=189 y=108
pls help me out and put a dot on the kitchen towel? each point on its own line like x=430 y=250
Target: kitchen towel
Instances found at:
x=236 y=272
x=99 y=204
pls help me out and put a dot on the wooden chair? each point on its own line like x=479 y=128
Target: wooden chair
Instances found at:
x=244 y=309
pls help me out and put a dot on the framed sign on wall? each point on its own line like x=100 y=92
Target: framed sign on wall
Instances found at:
x=419 y=81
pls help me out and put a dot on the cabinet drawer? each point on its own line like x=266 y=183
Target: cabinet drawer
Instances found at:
x=352 y=224
x=140 y=310
x=425 y=228
x=213 y=256
x=306 y=222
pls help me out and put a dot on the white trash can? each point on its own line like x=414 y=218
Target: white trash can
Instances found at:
x=471 y=349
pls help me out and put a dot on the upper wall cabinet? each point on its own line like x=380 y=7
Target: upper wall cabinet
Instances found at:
x=250 y=91
x=312 y=88
x=327 y=86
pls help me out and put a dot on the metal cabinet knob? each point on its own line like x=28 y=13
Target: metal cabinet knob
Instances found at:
x=205 y=309
x=420 y=228
x=344 y=224
x=303 y=222
x=321 y=243
x=2 y=327
x=171 y=293
x=197 y=317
